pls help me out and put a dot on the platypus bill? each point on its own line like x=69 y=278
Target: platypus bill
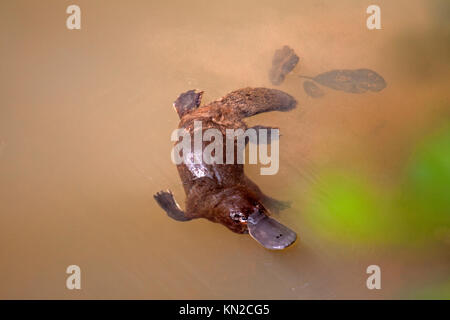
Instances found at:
x=222 y=193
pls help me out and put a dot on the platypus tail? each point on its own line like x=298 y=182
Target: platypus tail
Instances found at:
x=247 y=102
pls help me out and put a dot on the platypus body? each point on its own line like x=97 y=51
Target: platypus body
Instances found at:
x=222 y=193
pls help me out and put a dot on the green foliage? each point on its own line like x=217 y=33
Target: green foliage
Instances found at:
x=427 y=183
x=439 y=291
x=346 y=208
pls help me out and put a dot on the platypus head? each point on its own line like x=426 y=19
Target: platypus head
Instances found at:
x=241 y=211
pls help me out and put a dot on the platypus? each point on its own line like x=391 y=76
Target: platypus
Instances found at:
x=222 y=193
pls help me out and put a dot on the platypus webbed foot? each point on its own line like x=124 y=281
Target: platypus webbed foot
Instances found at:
x=187 y=102
x=269 y=134
x=274 y=205
x=167 y=201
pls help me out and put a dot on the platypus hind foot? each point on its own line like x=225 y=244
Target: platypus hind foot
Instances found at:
x=187 y=102
x=268 y=134
x=167 y=201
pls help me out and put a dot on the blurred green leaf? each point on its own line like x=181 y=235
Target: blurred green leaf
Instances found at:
x=344 y=207
x=439 y=291
x=425 y=193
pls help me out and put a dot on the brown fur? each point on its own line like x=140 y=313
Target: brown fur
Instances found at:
x=227 y=190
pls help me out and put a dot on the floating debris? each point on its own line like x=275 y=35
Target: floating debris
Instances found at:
x=283 y=62
x=352 y=81
x=312 y=89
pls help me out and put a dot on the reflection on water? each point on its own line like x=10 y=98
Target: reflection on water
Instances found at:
x=85 y=124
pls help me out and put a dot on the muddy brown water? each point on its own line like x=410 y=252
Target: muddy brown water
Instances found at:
x=85 y=124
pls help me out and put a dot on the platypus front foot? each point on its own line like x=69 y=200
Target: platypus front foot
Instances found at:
x=274 y=205
x=167 y=201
